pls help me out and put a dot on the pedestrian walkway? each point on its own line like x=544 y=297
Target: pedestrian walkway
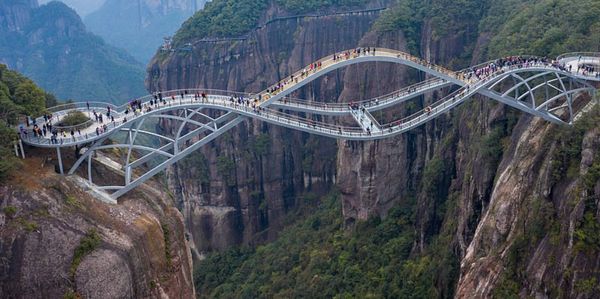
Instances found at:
x=500 y=80
x=256 y=105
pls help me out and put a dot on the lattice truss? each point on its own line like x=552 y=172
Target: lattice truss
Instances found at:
x=143 y=152
x=548 y=94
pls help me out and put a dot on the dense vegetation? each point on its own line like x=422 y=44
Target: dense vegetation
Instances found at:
x=233 y=18
x=19 y=96
x=319 y=258
x=550 y=27
x=54 y=49
x=73 y=118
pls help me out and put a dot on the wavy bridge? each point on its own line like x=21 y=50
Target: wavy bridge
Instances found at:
x=544 y=88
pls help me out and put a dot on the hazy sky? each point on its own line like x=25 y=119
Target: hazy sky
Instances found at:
x=83 y=7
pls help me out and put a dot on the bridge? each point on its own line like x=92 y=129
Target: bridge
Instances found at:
x=538 y=86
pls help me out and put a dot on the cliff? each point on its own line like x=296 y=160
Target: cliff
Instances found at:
x=57 y=240
x=50 y=44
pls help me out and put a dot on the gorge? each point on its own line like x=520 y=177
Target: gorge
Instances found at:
x=484 y=201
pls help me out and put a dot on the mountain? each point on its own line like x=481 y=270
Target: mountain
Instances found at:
x=483 y=202
x=140 y=26
x=50 y=44
x=83 y=8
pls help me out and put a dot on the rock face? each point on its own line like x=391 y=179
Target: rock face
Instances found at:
x=371 y=176
x=562 y=261
x=45 y=222
x=15 y=14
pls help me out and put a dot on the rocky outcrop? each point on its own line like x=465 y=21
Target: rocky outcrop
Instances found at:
x=15 y=14
x=371 y=176
x=533 y=234
x=57 y=240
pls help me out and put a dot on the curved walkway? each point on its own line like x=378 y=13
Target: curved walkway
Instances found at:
x=537 y=86
x=257 y=106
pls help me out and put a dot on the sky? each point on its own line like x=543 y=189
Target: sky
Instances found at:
x=83 y=7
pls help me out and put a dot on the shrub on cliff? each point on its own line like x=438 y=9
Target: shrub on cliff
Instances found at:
x=74 y=118
x=18 y=96
x=233 y=18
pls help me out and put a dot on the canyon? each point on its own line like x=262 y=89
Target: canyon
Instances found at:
x=491 y=202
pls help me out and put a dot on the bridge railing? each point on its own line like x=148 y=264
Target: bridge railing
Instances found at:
x=57 y=113
x=80 y=105
x=381 y=100
x=327 y=61
x=187 y=91
x=577 y=55
x=495 y=61
x=281 y=117
x=64 y=137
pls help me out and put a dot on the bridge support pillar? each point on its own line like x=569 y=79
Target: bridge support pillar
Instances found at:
x=60 y=165
x=90 y=168
x=22 y=150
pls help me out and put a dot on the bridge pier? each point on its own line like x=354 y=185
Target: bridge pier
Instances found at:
x=22 y=150
x=60 y=164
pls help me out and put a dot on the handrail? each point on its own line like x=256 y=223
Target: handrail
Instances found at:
x=577 y=54
x=384 y=99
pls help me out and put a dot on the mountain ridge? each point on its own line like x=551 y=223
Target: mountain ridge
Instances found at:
x=50 y=44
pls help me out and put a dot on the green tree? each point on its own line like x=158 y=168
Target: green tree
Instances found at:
x=31 y=98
